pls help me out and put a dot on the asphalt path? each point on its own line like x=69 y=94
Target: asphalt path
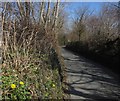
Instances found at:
x=89 y=81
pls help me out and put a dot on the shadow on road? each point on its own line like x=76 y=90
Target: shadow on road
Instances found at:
x=90 y=97
x=93 y=93
x=92 y=77
x=90 y=81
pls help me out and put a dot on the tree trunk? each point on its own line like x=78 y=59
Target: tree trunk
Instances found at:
x=27 y=13
x=56 y=14
x=41 y=19
x=47 y=15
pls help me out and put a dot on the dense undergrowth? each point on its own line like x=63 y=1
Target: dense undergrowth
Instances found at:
x=31 y=67
x=28 y=74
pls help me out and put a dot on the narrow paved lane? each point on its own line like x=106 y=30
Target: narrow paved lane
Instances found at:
x=88 y=80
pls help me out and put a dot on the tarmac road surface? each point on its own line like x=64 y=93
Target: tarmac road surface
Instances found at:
x=89 y=81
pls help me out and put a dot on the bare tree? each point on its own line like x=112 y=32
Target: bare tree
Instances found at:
x=79 y=21
x=56 y=10
x=47 y=15
x=42 y=7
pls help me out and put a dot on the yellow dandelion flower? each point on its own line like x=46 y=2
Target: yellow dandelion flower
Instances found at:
x=13 y=86
x=21 y=83
x=53 y=85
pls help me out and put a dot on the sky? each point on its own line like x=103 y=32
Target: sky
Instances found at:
x=72 y=7
x=96 y=6
x=93 y=6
